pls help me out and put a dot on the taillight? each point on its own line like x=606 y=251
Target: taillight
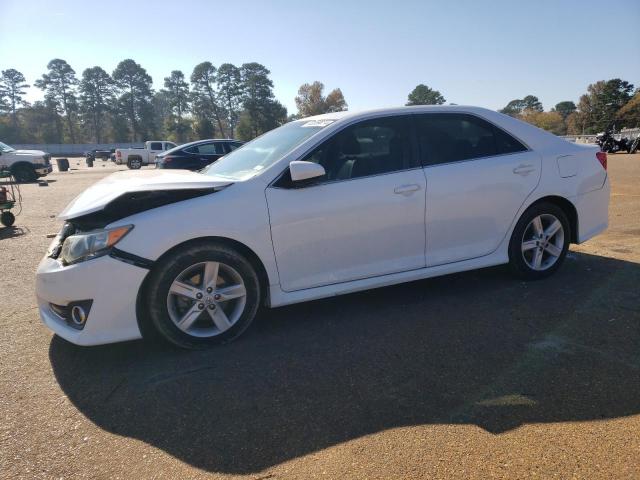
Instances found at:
x=118 y=153
x=167 y=159
x=602 y=158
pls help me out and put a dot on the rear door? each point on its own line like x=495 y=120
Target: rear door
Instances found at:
x=478 y=177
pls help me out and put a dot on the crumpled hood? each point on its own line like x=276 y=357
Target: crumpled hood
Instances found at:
x=97 y=196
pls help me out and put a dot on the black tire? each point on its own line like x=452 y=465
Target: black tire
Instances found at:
x=172 y=265
x=24 y=173
x=7 y=218
x=134 y=163
x=517 y=260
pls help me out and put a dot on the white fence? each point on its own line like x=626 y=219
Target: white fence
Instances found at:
x=73 y=149
x=626 y=132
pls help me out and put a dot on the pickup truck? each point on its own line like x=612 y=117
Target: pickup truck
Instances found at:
x=24 y=165
x=135 y=158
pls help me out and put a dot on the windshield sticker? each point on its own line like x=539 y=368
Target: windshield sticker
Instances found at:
x=318 y=123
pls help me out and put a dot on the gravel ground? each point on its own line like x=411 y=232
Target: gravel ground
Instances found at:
x=472 y=375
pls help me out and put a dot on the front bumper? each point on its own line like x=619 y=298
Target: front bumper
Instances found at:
x=112 y=285
x=43 y=169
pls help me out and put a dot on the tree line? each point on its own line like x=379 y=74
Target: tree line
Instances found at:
x=607 y=104
x=225 y=101
x=234 y=102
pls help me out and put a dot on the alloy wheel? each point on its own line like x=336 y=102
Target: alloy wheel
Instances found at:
x=542 y=242
x=206 y=299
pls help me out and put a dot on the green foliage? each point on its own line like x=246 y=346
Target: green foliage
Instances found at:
x=230 y=93
x=310 y=100
x=177 y=94
x=59 y=85
x=262 y=112
x=12 y=89
x=550 y=121
x=203 y=129
x=565 y=108
x=133 y=85
x=629 y=115
x=600 y=105
x=233 y=102
x=96 y=96
x=515 y=107
x=423 y=95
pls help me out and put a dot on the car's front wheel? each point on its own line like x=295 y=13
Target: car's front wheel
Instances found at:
x=24 y=173
x=203 y=294
x=539 y=242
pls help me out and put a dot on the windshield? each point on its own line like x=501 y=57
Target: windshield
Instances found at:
x=264 y=151
x=6 y=148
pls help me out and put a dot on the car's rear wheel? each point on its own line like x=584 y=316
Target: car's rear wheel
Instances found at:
x=539 y=242
x=202 y=295
x=134 y=163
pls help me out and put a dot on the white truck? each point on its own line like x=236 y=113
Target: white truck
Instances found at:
x=24 y=165
x=135 y=158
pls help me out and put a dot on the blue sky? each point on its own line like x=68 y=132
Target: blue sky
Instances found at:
x=474 y=52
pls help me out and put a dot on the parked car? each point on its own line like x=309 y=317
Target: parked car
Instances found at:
x=319 y=207
x=102 y=154
x=24 y=165
x=196 y=155
x=135 y=158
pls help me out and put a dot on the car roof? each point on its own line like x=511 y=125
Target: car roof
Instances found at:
x=398 y=110
x=198 y=142
x=530 y=135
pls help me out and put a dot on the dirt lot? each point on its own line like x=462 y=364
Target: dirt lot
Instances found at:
x=472 y=375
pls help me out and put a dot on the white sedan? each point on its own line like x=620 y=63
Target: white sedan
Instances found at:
x=318 y=207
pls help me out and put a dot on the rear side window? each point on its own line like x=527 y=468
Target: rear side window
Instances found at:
x=231 y=146
x=156 y=146
x=454 y=137
x=506 y=143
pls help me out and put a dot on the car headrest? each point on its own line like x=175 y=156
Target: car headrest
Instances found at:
x=350 y=145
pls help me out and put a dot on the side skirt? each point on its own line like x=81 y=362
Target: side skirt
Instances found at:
x=279 y=297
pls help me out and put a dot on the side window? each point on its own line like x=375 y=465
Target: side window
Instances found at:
x=155 y=146
x=453 y=137
x=231 y=146
x=169 y=145
x=506 y=143
x=208 y=149
x=371 y=147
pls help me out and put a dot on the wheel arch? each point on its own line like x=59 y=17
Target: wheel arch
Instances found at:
x=567 y=207
x=21 y=163
x=144 y=323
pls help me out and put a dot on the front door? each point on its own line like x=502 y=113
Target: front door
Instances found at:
x=365 y=218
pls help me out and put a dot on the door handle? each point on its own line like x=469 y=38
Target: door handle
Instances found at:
x=524 y=170
x=406 y=190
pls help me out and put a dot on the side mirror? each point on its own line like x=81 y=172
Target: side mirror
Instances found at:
x=301 y=171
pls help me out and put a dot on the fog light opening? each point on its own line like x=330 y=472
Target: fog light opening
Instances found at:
x=78 y=315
